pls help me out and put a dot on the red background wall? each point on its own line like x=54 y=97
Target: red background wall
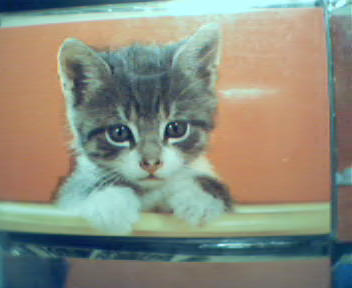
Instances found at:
x=272 y=141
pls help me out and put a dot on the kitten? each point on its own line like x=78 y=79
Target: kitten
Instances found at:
x=141 y=118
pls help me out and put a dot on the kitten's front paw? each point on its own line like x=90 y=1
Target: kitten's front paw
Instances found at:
x=112 y=209
x=197 y=208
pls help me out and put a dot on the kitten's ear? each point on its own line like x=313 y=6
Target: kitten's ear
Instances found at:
x=82 y=71
x=201 y=54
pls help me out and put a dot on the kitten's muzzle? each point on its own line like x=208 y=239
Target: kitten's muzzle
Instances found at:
x=151 y=166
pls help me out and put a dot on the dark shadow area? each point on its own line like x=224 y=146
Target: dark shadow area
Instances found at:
x=25 y=5
x=34 y=272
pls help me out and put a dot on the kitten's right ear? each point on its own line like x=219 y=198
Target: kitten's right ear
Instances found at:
x=200 y=54
x=82 y=71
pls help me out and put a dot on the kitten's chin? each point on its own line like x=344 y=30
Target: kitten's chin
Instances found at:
x=151 y=182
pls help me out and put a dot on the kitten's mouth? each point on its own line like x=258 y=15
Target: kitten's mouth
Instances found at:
x=151 y=177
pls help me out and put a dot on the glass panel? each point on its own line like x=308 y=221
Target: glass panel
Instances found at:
x=270 y=145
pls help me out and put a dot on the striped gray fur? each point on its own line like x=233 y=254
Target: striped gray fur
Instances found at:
x=120 y=104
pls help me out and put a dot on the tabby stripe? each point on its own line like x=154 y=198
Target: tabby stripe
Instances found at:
x=191 y=144
x=216 y=189
x=95 y=132
x=102 y=155
x=207 y=126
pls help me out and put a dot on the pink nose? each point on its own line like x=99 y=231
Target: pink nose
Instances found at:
x=151 y=165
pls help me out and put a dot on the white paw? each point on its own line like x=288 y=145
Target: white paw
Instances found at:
x=112 y=209
x=196 y=207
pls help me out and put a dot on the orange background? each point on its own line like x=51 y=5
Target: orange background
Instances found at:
x=271 y=144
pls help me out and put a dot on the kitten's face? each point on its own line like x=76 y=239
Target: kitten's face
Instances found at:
x=144 y=111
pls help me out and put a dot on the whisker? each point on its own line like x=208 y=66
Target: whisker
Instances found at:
x=106 y=179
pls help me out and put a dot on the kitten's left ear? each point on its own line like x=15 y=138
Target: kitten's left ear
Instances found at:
x=200 y=55
x=82 y=71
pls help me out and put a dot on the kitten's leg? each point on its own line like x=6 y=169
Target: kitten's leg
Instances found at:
x=198 y=199
x=216 y=188
x=112 y=209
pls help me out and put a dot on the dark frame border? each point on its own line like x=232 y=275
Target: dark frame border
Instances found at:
x=328 y=13
x=298 y=246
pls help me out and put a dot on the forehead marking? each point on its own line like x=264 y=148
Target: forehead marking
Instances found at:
x=122 y=114
x=134 y=131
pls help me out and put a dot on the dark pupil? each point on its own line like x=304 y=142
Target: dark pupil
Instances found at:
x=120 y=133
x=176 y=129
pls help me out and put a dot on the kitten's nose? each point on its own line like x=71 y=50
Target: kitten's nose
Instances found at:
x=151 y=165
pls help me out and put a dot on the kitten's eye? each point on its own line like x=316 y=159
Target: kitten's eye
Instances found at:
x=176 y=129
x=118 y=134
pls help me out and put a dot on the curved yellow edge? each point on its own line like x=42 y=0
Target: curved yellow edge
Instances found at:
x=247 y=220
